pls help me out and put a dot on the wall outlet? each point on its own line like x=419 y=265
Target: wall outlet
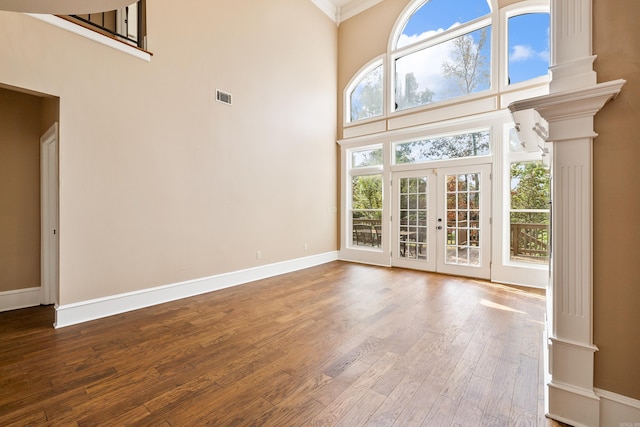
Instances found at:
x=258 y=254
x=305 y=246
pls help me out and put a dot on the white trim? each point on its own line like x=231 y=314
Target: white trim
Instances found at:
x=573 y=405
x=341 y=13
x=49 y=229
x=618 y=410
x=330 y=9
x=84 y=311
x=19 y=298
x=367 y=69
x=92 y=35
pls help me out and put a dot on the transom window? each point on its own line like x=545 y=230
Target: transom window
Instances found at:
x=456 y=146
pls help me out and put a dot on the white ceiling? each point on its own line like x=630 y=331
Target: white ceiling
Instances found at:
x=341 y=10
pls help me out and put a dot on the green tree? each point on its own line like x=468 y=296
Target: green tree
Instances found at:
x=367 y=196
x=530 y=189
x=446 y=147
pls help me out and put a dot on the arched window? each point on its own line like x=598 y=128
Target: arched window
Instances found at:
x=365 y=94
x=443 y=51
x=435 y=16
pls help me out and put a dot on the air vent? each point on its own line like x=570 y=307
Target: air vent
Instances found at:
x=223 y=97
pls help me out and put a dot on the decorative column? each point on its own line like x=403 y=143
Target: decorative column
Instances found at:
x=568 y=114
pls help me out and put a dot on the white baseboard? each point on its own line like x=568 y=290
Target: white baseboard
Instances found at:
x=71 y=314
x=617 y=410
x=19 y=298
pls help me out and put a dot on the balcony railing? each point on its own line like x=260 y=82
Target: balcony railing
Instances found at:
x=530 y=242
x=127 y=24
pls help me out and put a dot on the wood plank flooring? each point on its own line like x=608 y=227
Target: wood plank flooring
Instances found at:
x=340 y=344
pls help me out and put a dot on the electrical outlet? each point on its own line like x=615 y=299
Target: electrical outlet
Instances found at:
x=258 y=254
x=305 y=246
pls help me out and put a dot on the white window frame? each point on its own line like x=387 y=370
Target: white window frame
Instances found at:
x=516 y=9
x=466 y=28
x=486 y=109
x=353 y=83
x=505 y=270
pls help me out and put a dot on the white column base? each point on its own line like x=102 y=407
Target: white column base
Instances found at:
x=571 y=397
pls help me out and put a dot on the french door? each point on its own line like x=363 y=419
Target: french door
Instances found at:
x=441 y=220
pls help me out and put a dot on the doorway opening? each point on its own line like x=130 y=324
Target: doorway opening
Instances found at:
x=28 y=124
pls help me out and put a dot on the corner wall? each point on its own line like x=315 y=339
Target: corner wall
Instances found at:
x=617 y=202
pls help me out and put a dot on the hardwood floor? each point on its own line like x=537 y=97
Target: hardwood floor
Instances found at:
x=336 y=345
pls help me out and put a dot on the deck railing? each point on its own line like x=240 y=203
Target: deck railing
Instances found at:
x=530 y=241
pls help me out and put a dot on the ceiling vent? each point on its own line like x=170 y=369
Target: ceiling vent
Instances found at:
x=223 y=97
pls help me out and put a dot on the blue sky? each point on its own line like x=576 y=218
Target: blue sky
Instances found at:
x=528 y=39
x=444 y=13
x=528 y=46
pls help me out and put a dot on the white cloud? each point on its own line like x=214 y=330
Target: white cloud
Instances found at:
x=405 y=40
x=524 y=53
x=426 y=66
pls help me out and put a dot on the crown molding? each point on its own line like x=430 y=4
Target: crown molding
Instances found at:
x=340 y=13
x=329 y=8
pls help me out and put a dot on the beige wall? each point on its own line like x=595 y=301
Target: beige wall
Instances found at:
x=159 y=183
x=617 y=201
x=19 y=190
x=616 y=182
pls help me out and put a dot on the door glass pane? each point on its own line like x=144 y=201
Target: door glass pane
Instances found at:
x=413 y=215
x=463 y=219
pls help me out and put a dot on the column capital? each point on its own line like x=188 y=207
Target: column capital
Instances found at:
x=570 y=113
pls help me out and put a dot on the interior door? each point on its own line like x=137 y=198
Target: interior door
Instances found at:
x=442 y=220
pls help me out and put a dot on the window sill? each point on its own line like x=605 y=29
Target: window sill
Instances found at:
x=93 y=35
